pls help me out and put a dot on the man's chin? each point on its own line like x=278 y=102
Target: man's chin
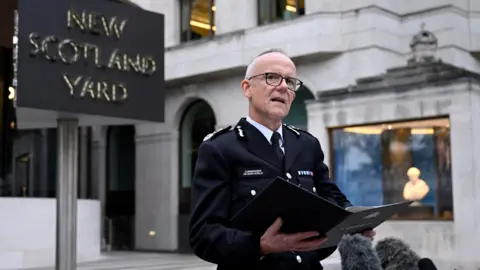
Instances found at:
x=278 y=115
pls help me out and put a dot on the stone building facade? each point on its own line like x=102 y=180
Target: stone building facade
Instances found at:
x=366 y=65
x=335 y=44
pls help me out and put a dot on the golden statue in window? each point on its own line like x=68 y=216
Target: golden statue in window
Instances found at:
x=415 y=189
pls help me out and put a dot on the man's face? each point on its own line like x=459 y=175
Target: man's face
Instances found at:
x=272 y=101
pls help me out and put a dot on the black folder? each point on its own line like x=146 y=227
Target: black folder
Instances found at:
x=302 y=210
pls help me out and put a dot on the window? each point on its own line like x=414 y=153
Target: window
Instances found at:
x=197 y=19
x=394 y=162
x=277 y=10
x=32 y=171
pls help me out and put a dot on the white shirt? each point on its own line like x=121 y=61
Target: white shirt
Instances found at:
x=267 y=132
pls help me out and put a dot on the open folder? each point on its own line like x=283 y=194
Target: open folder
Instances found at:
x=302 y=210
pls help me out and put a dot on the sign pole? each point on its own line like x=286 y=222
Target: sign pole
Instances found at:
x=67 y=177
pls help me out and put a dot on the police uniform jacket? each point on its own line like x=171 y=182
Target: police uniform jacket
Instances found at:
x=233 y=165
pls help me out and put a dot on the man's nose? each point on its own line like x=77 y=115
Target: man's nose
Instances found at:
x=283 y=85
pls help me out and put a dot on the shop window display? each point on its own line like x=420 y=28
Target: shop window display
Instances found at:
x=392 y=162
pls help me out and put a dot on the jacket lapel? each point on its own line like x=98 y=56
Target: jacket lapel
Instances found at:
x=293 y=147
x=257 y=144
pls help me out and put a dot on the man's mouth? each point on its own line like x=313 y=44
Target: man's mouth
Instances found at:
x=278 y=99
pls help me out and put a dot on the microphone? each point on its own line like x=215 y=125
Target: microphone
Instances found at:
x=426 y=264
x=394 y=254
x=357 y=253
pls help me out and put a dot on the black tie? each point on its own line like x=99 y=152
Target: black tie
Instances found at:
x=277 y=150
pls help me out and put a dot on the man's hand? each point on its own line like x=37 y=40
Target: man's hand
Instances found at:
x=273 y=241
x=370 y=234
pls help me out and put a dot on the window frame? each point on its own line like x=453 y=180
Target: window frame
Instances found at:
x=186 y=8
x=272 y=4
x=333 y=171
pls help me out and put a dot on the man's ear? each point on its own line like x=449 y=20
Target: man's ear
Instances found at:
x=246 y=89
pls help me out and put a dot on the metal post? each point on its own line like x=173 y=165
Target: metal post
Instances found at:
x=67 y=177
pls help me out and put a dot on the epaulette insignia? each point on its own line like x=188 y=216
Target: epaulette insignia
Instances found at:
x=216 y=133
x=297 y=130
x=293 y=129
x=240 y=132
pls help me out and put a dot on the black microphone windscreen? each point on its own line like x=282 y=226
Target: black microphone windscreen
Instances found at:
x=395 y=254
x=357 y=253
x=426 y=264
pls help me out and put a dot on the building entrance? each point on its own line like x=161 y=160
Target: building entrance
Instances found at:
x=197 y=122
x=120 y=190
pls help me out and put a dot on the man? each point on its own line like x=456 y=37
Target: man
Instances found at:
x=235 y=163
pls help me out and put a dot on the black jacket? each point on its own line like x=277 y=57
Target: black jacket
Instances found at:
x=223 y=183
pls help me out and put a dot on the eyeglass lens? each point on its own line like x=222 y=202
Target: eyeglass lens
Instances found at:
x=276 y=79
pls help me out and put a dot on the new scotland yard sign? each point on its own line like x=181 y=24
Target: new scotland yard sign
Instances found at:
x=90 y=58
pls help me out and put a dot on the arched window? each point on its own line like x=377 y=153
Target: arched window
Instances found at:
x=197 y=122
x=298 y=111
x=197 y=19
x=278 y=10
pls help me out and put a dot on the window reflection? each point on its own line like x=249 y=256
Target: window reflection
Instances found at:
x=381 y=164
x=33 y=170
x=277 y=10
x=197 y=19
x=7 y=123
x=22 y=175
x=28 y=160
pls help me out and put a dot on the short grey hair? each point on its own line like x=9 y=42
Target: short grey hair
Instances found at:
x=251 y=65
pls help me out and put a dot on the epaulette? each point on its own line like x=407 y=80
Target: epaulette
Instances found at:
x=293 y=129
x=296 y=130
x=216 y=133
x=240 y=133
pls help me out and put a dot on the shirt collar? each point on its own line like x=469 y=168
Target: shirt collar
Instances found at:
x=266 y=131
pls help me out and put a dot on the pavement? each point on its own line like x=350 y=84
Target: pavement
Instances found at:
x=156 y=261
x=142 y=261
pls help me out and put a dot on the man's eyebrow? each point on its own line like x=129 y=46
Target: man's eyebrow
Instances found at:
x=276 y=72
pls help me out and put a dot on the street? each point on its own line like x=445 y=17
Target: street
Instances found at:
x=142 y=261
x=156 y=261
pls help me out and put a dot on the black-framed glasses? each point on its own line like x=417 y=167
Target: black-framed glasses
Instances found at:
x=275 y=79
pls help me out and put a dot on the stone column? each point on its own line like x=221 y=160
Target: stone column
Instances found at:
x=234 y=15
x=156 y=188
x=317 y=126
x=465 y=152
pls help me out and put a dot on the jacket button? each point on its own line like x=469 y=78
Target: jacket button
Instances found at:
x=253 y=192
x=289 y=176
x=299 y=259
x=314 y=189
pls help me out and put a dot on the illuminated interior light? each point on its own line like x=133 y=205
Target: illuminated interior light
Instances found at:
x=421 y=127
x=11 y=92
x=214 y=8
x=290 y=8
x=372 y=130
x=363 y=130
x=423 y=131
x=202 y=25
